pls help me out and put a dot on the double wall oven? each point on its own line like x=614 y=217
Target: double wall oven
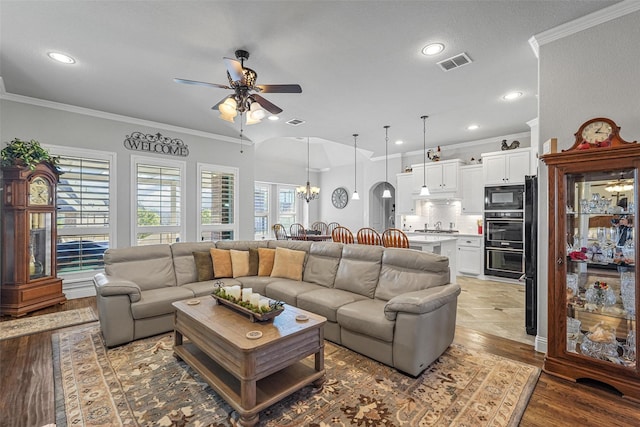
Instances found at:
x=504 y=231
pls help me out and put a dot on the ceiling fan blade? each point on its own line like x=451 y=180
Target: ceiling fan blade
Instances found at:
x=279 y=88
x=195 y=82
x=272 y=108
x=235 y=70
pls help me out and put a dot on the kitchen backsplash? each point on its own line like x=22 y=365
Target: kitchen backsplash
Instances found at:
x=448 y=213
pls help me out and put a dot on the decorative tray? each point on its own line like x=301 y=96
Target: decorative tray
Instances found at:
x=253 y=316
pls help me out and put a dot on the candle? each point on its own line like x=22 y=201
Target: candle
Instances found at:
x=264 y=303
x=236 y=292
x=246 y=293
x=254 y=299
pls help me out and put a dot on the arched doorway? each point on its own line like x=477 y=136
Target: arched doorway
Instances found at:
x=381 y=211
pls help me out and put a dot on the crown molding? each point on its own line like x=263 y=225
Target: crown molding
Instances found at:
x=116 y=117
x=473 y=143
x=607 y=14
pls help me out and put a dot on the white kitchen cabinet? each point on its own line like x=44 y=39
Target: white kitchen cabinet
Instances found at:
x=405 y=203
x=506 y=167
x=470 y=256
x=441 y=177
x=471 y=181
x=417 y=178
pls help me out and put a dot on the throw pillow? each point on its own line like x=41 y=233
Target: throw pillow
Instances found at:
x=221 y=263
x=204 y=265
x=265 y=261
x=288 y=264
x=254 y=262
x=239 y=263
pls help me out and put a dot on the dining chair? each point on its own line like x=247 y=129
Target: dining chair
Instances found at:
x=394 y=238
x=280 y=232
x=342 y=234
x=369 y=236
x=297 y=232
x=320 y=227
x=331 y=226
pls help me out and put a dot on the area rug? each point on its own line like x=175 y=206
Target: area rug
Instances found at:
x=142 y=384
x=46 y=322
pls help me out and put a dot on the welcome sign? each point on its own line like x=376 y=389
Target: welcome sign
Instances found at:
x=156 y=143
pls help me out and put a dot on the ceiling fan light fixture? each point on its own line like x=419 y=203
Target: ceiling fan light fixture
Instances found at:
x=229 y=107
x=228 y=117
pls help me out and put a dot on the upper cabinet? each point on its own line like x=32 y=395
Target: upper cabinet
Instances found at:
x=441 y=177
x=506 y=167
x=472 y=191
x=405 y=204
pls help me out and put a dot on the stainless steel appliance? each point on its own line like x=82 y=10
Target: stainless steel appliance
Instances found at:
x=504 y=244
x=504 y=198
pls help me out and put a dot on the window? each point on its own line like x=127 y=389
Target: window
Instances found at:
x=262 y=229
x=157 y=201
x=218 y=202
x=287 y=212
x=85 y=217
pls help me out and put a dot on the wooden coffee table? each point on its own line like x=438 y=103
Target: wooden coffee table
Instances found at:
x=250 y=374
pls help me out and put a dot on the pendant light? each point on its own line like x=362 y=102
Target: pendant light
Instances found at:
x=424 y=191
x=386 y=194
x=355 y=195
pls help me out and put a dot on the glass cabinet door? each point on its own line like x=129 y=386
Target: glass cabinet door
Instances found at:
x=40 y=245
x=601 y=259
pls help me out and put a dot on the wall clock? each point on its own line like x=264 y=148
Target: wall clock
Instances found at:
x=598 y=133
x=340 y=197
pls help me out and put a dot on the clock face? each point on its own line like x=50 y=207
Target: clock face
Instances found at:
x=339 y=197
x=39 y=192
x=596 y=132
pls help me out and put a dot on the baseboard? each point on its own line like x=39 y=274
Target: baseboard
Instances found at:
x=78 y=289
x=540 y=344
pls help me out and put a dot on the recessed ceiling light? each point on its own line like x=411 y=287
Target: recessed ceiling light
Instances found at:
x=61 y=57
x=512 y=95
x=472 y=127
x=432 y=49
x=399 y=142
x=273 y=118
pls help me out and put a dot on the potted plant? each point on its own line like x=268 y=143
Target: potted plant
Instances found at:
x=26 y=154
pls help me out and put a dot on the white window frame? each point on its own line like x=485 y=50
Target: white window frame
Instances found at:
x=153 y=161
x=234 y=226
x=58 y=150
x=266 y=213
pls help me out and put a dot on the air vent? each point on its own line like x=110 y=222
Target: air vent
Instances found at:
x=454 y=62
x=295 y=122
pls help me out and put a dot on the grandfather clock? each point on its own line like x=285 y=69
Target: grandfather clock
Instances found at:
x=29 y=279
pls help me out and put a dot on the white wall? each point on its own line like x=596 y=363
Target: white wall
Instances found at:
x=593 y=73
x=52 y=126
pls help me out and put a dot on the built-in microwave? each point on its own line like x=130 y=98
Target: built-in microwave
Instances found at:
x=504 y=198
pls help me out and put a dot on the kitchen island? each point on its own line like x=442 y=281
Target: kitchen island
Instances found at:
x=446 y=245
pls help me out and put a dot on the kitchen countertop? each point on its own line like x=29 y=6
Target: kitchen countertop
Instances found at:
x=430 y=238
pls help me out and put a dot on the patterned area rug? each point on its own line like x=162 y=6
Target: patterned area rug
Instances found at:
x=45 y=322
x=142 y=384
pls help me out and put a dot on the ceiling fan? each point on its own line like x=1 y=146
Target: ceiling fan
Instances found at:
x=242 y=81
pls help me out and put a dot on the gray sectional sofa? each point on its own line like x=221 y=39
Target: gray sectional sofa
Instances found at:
x=393 y=305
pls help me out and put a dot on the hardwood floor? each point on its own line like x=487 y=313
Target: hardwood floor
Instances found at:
x=26 y=382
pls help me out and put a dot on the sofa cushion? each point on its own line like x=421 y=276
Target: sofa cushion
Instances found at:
x=265 y=261
x=222 y=266
x=367 y=317
x=157 y=302
x=322 y=263
x=359 y=269
x=288 y=264
x=184 y=262
x=201 y=289
x=204 y=265
x=241 y=245
x=296 y=245
x=287 y=290
x=408 y=270
x=257 y=283
x=149 y=268
x=326 y=302
x=239 y=263
x=254 y=262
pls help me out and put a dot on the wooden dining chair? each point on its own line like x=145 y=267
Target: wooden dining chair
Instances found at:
x=297 y=232
x=369 y=236
x=331 y=226
x=280 y=232
x=394 y=238
x=320 y=227
x=342 y=234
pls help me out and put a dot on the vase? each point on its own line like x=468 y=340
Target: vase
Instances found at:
x=628 y=291
x=600 y=297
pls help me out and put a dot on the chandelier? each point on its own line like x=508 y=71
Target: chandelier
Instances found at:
x=307 y=192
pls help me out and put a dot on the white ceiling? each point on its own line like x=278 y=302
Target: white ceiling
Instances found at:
x=359 y=64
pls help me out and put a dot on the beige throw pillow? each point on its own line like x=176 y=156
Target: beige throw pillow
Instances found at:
x=239 y=263
x=265 y=261
x=204 y=265
x=288 y=264
x=221 y=263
